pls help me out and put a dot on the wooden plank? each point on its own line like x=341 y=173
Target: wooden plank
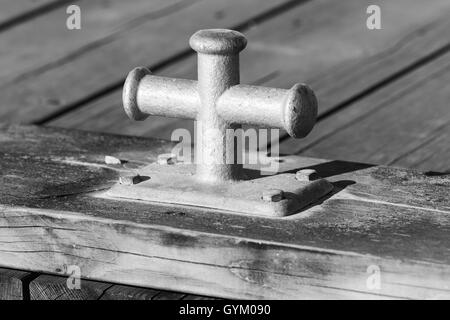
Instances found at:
x=49 y=216
x=46 y=42
x=340 y=58
x=89 y=72
x=392 y=125
x=47 y=287
x=14 y=284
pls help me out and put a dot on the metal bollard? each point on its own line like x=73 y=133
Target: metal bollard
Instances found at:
x=218 y=102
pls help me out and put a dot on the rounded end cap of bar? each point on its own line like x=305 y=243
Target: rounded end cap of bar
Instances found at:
x=218 y=41
x=300 y=111
x=129 y=94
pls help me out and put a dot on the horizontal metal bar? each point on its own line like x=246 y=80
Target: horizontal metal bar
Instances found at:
x=293 y=110
x=169 y=97
x=253 y=105
x=146 y=94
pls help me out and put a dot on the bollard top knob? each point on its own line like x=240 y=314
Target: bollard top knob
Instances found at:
x=218 y=41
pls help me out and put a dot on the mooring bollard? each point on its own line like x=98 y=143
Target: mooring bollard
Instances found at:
x=218 y=102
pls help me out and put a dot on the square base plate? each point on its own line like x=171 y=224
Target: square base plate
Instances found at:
x=177 y=184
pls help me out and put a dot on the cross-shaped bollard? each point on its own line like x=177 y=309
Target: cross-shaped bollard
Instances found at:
x=218 y=102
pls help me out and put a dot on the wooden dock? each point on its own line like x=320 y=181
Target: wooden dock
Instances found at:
x=384 y=99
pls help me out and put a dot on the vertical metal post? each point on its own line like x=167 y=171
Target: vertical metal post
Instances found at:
x=218 y=69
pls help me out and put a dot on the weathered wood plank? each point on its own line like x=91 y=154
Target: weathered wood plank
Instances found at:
x=392 y=125
x=90 y=72
x=47 y=287
x=46 y=42
x=340 y=58
x=14 y=284
x=49 y=218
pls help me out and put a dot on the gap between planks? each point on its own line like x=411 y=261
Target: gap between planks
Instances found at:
x=47 y=44
x=11 y=17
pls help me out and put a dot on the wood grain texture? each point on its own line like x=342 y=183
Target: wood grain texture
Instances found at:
x=14 y=284
x=392 y=218
x=391 y=126
x=47 y=287
x=340 y=59
x=90 y=72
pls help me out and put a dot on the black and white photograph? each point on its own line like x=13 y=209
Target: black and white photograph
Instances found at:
x=224 y=154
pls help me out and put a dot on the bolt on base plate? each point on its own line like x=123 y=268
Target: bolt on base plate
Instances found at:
x=273 y=196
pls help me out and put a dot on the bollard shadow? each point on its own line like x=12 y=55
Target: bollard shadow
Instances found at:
x=338 y=186
x=324 y=170
x=436 y=174
x=337 y=167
